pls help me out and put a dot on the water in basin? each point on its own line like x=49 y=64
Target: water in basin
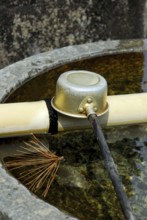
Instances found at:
x=82 y=187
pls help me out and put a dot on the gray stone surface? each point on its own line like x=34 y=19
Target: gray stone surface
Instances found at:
x=16 y=74
x=18 y=202
x=15 y=200
x=28 y=27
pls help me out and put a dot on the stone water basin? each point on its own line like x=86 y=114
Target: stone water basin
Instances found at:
x=82 y=187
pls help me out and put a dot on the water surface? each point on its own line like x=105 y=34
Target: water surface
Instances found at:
x=82 y=187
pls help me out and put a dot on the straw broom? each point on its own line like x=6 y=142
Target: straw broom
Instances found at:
x=42 y=165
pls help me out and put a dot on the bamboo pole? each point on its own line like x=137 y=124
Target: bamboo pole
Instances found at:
x=33 y=117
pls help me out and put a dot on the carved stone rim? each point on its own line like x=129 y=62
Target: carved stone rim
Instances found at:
x=15 y=75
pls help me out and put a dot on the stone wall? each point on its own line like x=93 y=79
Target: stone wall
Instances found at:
x=28 y=27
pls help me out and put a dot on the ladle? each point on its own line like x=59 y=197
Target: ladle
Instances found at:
x=84 y=93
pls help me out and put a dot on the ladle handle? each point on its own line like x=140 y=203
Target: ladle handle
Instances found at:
x=111 y=168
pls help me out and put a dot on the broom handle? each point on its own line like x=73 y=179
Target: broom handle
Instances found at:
x=111 y=168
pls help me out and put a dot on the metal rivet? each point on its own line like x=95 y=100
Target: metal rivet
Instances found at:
x=89 y=100
x=95 y=109
x=80 y=109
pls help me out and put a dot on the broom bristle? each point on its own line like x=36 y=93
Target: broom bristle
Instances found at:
x=41 y=163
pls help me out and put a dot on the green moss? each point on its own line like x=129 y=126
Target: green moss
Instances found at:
x=82 y=186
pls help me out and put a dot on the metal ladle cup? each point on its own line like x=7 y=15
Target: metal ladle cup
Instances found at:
x=75 y=90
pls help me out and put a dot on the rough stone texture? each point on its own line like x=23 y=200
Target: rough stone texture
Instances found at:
x=145 y=20
x=33 y=26
x=15 y=200
x=18 y=202
x=16 y=74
